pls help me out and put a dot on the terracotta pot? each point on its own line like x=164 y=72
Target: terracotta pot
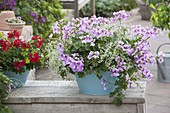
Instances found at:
x=3 y=16
x=16 y=26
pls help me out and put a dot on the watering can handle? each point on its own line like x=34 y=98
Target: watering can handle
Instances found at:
x=161 y=46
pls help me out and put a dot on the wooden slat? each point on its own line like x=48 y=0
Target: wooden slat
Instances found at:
x=72 y=108
x=77 y=5
x=141 y=108
x=92 y=5
x=66 y=92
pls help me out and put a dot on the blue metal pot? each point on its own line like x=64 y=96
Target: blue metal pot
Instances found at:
x=91 y=84
x=17 y=79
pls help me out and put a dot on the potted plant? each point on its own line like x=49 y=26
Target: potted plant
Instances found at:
x=145 y=9
x=105 y=57
x=19 y=56
x=15 y=23
x=7 y=8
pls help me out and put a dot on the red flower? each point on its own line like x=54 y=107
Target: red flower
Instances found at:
x=19 y=65
x=37 y=41
x=24 y=45
x=13 y=34
x=1 y=42
x=17 y=43
x=34 y=57
x=5 y=45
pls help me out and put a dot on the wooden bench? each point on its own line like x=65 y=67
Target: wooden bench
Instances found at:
x=77 y=5
x=64 y=97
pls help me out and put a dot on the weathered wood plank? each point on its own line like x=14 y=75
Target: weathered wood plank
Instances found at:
x=92 y=5
x=65 y=92
x=77 y=5
x=73 y=108
x=141 y=108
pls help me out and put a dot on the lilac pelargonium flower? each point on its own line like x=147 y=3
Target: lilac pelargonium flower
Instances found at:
x=145 y=32
x=115 y=72
x=121 y=15
x=77 y=66
x=129 y=81
x=90 y=56
x=74 y=63
x=60 y=48
x=93 y=54
x=146 y=73
x=103 y=82
x=56 y=28
x=160 y=57
x=87 y=39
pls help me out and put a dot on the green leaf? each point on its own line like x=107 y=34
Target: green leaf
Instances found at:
x=27 y=60
x=80 y=74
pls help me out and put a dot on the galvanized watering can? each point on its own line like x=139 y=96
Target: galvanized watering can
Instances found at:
x=163 y=69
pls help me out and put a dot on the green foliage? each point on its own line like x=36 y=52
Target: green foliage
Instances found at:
x=128 y=4
x=105 y=8
x=4 y=82
x=50 y=9
x=151 y=1
x=5 y=109
x=161 y=18
x=4 y=90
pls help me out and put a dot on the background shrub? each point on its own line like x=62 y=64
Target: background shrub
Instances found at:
x=105 y=8
x=41 y=14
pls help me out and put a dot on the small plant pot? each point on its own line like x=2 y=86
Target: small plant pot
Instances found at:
x=16 y=26
x=3 y=16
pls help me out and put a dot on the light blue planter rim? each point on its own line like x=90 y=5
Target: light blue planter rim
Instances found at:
x=91 y=84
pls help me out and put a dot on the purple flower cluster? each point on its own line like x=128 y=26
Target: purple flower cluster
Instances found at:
x=37 y=18
x=145 y=32
x=93 y=54
x=56 y=28
x=92 y=27
x=140 y=50
x=120 y=67
x=124 y=50
x=8 y=4
x=120 y=15
x=74 y=62
x=146 y=73
x=129 y=81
